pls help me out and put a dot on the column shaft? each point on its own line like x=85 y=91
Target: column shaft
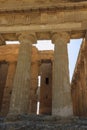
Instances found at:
x=21 y=85
x=61 y=103
x=34 y=82
x=8 y=88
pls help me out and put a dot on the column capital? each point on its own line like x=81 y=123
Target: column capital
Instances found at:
x=63 y=36
x=27 y=37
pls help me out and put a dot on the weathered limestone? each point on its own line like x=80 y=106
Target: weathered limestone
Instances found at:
x=61 y=100
x=83 y=71
x=21 y=84
x=78 y=89
x=56 y=16
x=33 y=97
x=34 y=4
x=85 y=87
x=9 y=53
x=79 y=83
x=43 y=18
x=82 y=89
x=46 y=88
x=74 y=97
x=3 y=76
x=8 y=88
x=2 y=40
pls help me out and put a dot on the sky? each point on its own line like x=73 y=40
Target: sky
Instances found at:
x=73 y=49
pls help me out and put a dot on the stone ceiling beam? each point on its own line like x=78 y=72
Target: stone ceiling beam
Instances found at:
x=35 y=4
x=43 y=28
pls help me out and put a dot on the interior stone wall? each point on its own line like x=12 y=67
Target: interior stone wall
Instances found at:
x=78 y=84
x=46 y=88
x=3 y=75
x=8 y=88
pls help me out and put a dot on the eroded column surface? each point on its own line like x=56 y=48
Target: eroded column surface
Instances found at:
x=34 y=82
x=21 y=85
x=82 y=90
x=3 y=76
x=61 y=100
x=85 y=73
x=8 y=88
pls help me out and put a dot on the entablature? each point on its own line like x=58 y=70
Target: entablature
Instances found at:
x=44 y=21
x=11 y=5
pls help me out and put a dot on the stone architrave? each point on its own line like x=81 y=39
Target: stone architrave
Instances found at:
x=21 y=85
x=61 y=100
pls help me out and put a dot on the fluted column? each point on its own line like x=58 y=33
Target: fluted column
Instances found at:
x=73 y=95
x=34 y=82
x=61 y=100
x=21 y=85
x=8 y=88
x=82 y=88
x=84 y=57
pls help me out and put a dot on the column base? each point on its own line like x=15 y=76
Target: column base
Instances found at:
x=63 y=112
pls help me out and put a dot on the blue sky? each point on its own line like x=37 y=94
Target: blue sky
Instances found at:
x=73 y=50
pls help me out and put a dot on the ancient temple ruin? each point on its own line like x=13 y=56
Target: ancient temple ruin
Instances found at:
x=21 y=65
x=41 y=65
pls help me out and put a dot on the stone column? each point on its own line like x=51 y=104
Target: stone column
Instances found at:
x=34 y=82
x=21 y=85
x=8 y=88
x=61 y=100
x=3 y=76
x=82 y=87
x=73 y=94
x=77 y=99
x=84 y=57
